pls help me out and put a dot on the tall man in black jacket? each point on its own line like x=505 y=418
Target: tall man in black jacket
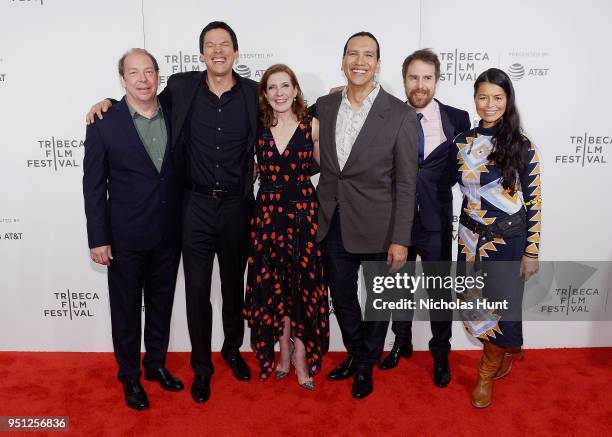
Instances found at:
x=432 y=228
x=214 y=125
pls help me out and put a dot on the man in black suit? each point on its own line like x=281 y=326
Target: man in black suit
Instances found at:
x=368 y=146
x=432 y=229
x=214 y=125
x=214 y=120
x=132 y=204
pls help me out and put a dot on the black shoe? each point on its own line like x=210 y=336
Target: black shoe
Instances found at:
x=362 y=383
x=200 y=389
x=240 y=369
x=441 y=371
x=165 y=378
x=345 y=370
x=135 y=395
x=392 y=360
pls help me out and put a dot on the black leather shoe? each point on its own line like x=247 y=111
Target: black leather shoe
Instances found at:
x=240 y=369
x=166 y=379
x=345 y=370
x=392 y=360
x=135 y=395
x=441 y=371
x=200 y=389
x=362 y=383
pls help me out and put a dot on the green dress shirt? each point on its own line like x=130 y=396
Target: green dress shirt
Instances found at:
x=152 y=133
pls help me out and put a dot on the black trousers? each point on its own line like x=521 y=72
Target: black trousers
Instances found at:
x=130 y=274
x=364 y=341
x=435 y=249
x=214 y=226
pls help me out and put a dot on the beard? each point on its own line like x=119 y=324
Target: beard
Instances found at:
x=419 y=102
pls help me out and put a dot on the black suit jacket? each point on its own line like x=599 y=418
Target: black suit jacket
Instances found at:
x=435 y=177
x=128 y=203
x=179 y=96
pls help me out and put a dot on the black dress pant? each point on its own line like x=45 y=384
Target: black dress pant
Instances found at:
x=364 y=340
x=214 y=226
x=130 y=274
x=435 y=250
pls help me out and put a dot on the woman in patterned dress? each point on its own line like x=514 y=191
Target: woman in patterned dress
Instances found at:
x=498 y=171
x=286 y=299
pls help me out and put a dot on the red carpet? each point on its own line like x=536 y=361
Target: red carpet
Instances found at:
x=550 y=392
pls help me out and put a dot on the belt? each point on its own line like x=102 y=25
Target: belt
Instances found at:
x=216 y=191
x=509 y=226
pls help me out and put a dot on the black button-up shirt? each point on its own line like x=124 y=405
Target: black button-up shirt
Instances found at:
x=218 y=133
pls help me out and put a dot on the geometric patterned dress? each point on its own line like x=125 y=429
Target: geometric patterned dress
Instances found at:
x=285 y=268
x=486 y=201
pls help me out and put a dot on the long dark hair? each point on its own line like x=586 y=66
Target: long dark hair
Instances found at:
x=508 y=140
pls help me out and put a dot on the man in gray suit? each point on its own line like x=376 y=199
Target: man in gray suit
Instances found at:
x=369 y=149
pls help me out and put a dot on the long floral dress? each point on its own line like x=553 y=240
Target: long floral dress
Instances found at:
x=285 y=269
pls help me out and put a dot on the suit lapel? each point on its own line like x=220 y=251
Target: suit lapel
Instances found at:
x=448 y=129
x=374 y=122
x=167 y=155
x=182 y=108
x=331 y=130
x=132 y=134
x=447 y=124
x=251 y=107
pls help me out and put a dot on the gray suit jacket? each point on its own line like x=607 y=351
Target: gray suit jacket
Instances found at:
x=376 y=189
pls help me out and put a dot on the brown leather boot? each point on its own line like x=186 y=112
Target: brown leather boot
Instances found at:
x=489 y=363
x=506 y=364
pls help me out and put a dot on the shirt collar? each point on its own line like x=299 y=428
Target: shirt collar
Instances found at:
x=235 y=75
x=135 y=113
x=368 y=101
x=430 y=111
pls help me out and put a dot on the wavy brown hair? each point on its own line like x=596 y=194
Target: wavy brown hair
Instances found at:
x=266 y=113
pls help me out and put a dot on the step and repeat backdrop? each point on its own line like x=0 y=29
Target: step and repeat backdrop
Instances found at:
x=58 y=57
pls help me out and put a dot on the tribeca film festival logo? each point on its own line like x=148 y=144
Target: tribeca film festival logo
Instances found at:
x=528 y=64
x=579 y=289
x=571 y=300
x=183 y=61
x=73 y=304
x=8 y=234
x=462 y=66
x=57 y=154
x=587 y=150
x=180 y=62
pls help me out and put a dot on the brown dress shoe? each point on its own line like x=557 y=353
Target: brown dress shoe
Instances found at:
x=506 y=364
x=489 y=363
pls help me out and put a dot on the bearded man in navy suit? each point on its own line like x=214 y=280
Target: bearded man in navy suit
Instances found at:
x=432 y=226
x=133 y=210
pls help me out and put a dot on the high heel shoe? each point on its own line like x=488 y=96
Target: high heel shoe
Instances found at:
x=280 y=374
x=308 y=385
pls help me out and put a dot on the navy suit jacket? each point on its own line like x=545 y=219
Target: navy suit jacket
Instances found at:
x=435 y=177
x=128 y=203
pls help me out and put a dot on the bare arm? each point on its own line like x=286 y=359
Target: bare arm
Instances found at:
x=315 y=141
